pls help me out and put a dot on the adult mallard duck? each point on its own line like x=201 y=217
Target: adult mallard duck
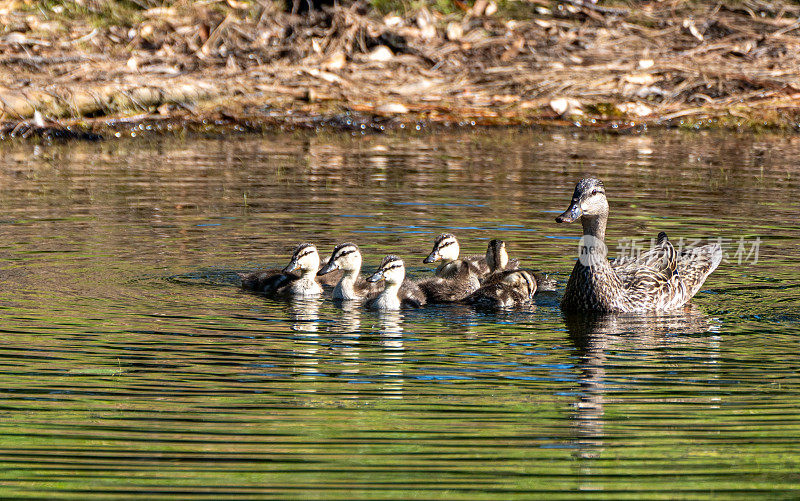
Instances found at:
x=658 y=280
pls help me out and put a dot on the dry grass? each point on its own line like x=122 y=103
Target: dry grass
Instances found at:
x=648 y=62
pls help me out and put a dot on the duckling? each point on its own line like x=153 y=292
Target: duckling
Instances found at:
x=446 y=249
x=498 y=261
x=660 y=279
x=497 y=257
x=347 y=257
x=449 y=290
x=397 y=291
x=276 y=282
x=504 y=289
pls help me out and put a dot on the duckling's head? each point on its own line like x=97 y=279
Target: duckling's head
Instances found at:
x=305 y=258
x=392 y=270
x=345 y=257
x=522 y=281
x=445 y=247
x=496 y=255
x=589 y=200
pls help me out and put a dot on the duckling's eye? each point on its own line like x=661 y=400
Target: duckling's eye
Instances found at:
x=594 y=191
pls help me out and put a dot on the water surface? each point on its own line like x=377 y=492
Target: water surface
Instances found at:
x=133 y=366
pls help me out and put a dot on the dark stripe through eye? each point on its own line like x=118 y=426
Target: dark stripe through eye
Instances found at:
x=392 y=267
x=345 y=253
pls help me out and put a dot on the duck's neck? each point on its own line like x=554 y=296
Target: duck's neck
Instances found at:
x=345 y=289
x=389 y=298
x=308 y=282
x=447 y=268
x=391 y=289
x=595 y=226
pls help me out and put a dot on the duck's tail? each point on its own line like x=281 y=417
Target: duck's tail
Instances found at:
x=696 y=264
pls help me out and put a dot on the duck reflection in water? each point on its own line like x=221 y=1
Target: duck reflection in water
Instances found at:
x=598 y=337
x=304 y=313
x=390 y=327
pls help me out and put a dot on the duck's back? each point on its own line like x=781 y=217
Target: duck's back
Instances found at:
x=455 y=287
x=478 y=265
x=495 y=295
x=267 y=280
x=411 y=295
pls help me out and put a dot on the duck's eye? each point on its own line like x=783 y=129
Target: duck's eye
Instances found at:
x=594 y=191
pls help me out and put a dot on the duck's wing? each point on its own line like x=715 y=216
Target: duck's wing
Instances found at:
x=661 y=259
x=652 y=281
x=477 y=265
x=696 y=264
x=448 y=290
x=487 y=296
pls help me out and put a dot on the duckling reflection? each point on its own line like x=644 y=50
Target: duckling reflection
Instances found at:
x=595 y=335
x=349 y=320
x=391 y=329
x=348 y=325
x=304 y=313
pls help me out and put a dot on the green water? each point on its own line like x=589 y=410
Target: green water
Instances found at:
x=131 y=365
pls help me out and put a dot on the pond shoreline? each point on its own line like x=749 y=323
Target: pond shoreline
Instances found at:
x=248 y=66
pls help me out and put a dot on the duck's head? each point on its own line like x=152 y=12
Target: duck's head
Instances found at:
x=305 y=258
x=392 y=270
x=345 y=257
x=496 y=255
x=588 y=200
x=522 y=281
x=445 y=247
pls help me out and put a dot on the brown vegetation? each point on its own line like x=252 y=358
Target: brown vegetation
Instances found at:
x=517 y=62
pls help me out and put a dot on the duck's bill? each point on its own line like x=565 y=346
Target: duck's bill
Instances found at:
x=570 y=215
x=376 y=277
x=291 y=266
x=432 y=257
x=328 y=268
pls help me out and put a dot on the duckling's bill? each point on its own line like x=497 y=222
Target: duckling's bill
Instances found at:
x=432 y=257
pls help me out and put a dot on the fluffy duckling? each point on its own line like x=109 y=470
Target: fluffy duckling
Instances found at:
x=498 y=261
x=449 y=290
x=347 y=257
x=298 y=278
x=397 y=292
x=505 y=289
x=446 y=250
x=497 y=257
